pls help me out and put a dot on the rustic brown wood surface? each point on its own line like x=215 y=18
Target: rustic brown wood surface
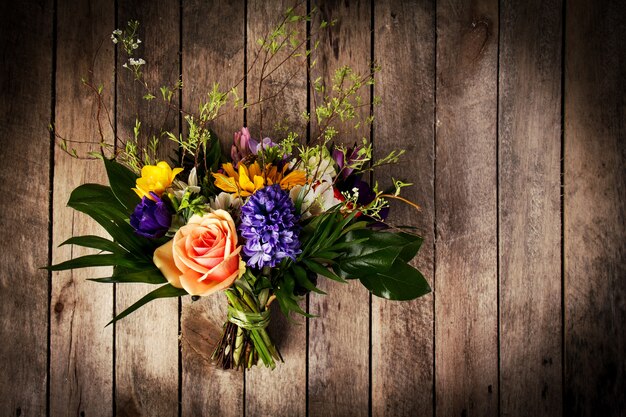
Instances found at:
x=338 y=374
x=81 y=347
x=530 y=208
x=402 y=357
x=595 y=209
x=512 y=115
x=466 y=276
x=25 y=111
x=147 y=345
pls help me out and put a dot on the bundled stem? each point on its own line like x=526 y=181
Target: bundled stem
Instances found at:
x=245 y=341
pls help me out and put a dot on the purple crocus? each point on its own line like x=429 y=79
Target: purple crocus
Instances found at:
x=255 y=146
x=151 y=218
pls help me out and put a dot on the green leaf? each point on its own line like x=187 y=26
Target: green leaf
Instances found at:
x=367 y=259
x=414 y=242
x=400 y=282
x=342 y=246
x=162 y=292
x=286 y=299
x=322 y=270
x=95 y=260
x=303 y=280
x=148 y=276
x=99 y=202
x=378 y=252
x=95 y=242
x=122 y=180
x=213 y=153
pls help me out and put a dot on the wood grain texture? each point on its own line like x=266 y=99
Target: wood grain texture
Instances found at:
x=530 y=208
x=81 y=347
x=339 y=337
x=25 y=100
x=402 y=345
x=147 y=341
x=213 y=51
x=282 y=391
x=466 y=332
x=595 y=209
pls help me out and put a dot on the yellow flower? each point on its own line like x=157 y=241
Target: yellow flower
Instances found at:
x=250 y=179
x=155 y=178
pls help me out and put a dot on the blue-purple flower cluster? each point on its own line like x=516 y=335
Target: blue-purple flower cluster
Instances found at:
x=270 y=228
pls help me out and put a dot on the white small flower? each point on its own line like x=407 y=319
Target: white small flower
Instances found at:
x=193 y=178
x=117 y=32
x=138 y=41
x=135 y=46
x=224 y=201
x=136 y=62
x=319 y=164
x=317 y=199
x=125 y=65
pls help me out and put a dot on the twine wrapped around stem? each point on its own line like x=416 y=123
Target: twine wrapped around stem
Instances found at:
x=245 y=341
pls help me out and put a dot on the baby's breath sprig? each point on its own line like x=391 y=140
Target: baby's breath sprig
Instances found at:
x=129 y=41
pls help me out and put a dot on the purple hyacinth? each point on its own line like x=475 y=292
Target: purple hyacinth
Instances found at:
x=270 y=228
x=151 y=218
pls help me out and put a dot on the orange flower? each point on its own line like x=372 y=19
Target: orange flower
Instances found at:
x=203 y=257
x=250 y=179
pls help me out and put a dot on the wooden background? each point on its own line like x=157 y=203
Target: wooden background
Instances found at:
x=514 y=120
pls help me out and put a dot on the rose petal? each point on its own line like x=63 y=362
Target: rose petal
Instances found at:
x=164 y=260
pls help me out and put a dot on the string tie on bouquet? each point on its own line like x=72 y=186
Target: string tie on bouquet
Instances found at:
x=248 y=320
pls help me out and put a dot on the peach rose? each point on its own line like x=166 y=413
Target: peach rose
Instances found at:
x=203 y=257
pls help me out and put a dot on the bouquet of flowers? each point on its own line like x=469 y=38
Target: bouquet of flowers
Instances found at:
x=258 y=224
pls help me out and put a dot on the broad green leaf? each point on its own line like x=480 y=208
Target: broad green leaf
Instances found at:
x=99 y=202
x=378 y=252
x=162 y=292
x=413 y=245
x=122 y=180
x=321 y=270
x=368 y=259
x=149 y=276
x=302 y=279
x=286 y=299
x=213 y=153
x=96 y=260
x=344 y=245
x=400 y=282
x=95 y=242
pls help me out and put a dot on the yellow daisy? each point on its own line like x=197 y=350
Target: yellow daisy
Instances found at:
x=251 y=178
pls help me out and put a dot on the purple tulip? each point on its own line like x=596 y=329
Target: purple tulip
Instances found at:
x=151 y=218
x=346 y=158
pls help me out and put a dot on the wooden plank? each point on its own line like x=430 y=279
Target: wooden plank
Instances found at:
x=595 y=207
x=402 y=332
x=339 y=337
x=81 y=370
x=466 y=325
x=213 y=51
x=147 y=355
x=530 y=208
x=25 y=81
x=283 y=391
